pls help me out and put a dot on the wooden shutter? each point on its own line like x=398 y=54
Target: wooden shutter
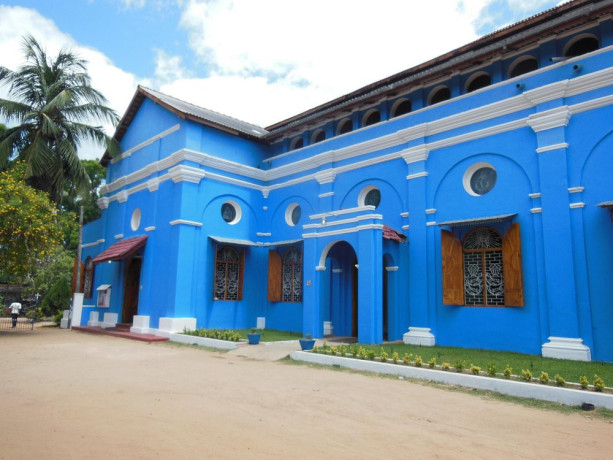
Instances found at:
x=453 y=272
x=511 y=261
x=241 y=274
x=275 y=266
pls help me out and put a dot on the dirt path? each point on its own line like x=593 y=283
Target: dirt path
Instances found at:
x=65 y=394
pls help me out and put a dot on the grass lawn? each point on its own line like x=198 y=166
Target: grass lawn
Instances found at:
x=569 y=370
x=271 y=335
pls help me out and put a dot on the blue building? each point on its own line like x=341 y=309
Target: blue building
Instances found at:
x=465 y=202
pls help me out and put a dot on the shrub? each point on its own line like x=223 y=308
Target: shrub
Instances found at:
x=526 y=375
x=219 y=334
x=459 y=366
x=395 y=357
x=371 y=354
x=598 y=383
x=432 y=363
x=475 y=369
x=491 y=370
x=315 y=349
x=584 y=382
x=342 y=349
x=508 y=370
x=559 y=380
x=383 y=356
x=418 y=361
x=407 y=358
x=544 y=378
x=361 y=353
x=446 y=366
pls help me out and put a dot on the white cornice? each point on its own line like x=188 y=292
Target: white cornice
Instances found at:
x=577 y=205
x=343 y=231
x=576 y=189
x=184 y=173
x=534 y=195
x=554 y=118
x=324 y=195
x=345 y=221
x=325 y=177
x=341 y=212
x=149 y=229
x=536 y=210
x=540 y=121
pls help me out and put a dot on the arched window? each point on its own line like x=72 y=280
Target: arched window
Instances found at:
x=88 y=279
x=581 y=45
x=345 y=126
x=484 y=270
x=439 y=94
x=401 y=107
x=523 y=65
x=297 y=143
x=318 y=136
x=478 y=81
x=371 y=117
x=292 y=276
x=228 y=273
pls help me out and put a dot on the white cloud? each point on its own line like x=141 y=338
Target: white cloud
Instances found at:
x=317 y=50
x=115 y=84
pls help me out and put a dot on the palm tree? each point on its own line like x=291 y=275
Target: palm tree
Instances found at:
x=53 y=109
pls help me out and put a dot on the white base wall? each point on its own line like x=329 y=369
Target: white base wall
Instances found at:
x=419 y=336
x=140 y=324
x=93 y=319
x=565 y=348
x=174 y=325
x=109 y=320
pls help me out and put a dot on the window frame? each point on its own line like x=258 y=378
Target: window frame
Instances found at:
x=452 y=261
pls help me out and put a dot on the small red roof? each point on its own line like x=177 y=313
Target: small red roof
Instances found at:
x=121 y=250
x=391 y=234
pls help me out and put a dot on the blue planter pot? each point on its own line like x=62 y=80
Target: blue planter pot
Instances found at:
x=253 y=339
x=306 y=344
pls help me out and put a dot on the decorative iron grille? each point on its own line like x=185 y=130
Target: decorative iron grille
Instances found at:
x=483 y=268
x=227 y=274
x=292 y=276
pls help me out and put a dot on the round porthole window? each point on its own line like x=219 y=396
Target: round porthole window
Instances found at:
x=480 y=179
x=230 y=212
x=293 y=214
x=369 y=196
x=135 y=220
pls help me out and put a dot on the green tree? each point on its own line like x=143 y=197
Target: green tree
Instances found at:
x=54 y=107
x=30 y=225
x=73 y=199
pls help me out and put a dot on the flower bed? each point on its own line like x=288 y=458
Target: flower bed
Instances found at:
x=359 y=358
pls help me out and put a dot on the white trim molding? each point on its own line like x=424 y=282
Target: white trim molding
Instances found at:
x=566 y=348
x=324 y=195
x=149 y=229
x=536 y=210
x=576 y=205
x=576 y=189
x=417 y=175
x=534 y=196
x=391 y=269
x=119 y=236
x=431 y=211
x=185 y=222
x=144 y=144
x=549 y=148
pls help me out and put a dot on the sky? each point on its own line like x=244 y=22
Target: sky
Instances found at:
x=260 y=61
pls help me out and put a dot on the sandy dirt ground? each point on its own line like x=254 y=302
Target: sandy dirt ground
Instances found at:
x=67 y=394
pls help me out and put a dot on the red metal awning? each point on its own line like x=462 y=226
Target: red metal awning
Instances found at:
x=391 y=234
x=121 y=250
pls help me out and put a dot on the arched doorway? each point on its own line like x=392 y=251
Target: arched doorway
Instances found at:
x=339 y=296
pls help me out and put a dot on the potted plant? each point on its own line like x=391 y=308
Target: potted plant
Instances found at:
x=307 y=342
x=254 y=337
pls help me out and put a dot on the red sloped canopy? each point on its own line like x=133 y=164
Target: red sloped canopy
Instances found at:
x=391 y=234
x=121 y=250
